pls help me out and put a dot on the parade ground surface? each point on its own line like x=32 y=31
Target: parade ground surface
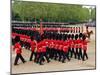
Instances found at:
x=74 y=64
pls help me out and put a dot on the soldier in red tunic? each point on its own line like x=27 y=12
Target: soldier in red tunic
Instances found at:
x=44 y=52
x=76 y=46
x=56 y=50
x=33 y=44
x=62 y=54
x=72 y=45
x=84 y=46
x=80 y=46
x=65 y=50
x=39 y=49
x=69 y=41
x=18 y=49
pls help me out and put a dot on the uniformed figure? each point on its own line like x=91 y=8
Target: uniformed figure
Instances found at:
x=56 y=50
x=65 y=50
x=18 y=50
x=80 y=46
x=44 y=51
x=39 y=54
x=76 y=46
x=72 y=45
x=41 y=50
x=84 y=43
x=69 y=42
x=33 y=44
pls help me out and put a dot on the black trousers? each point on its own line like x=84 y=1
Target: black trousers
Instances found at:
x=60 y=55
x=31 y=56
x=85 y=55
x=72 y=52
x=80 y=54
x=63 y=56
x=42 y=55
x=56 y=54
x=35 y=56
x=17 y=58
x=76 y=53
x=51 y=53
x=48 y=51
x=69 y=52
x=38 y=57
x=67 y=56
x=46 y=56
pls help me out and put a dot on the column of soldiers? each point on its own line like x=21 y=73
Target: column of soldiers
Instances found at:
x=52 y=46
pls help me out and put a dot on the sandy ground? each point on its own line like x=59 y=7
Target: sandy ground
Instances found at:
x=74 y=64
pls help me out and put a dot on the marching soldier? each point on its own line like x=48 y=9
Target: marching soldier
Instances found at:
x=65 y=50
x=76 y=46
x=33 y=44
x=18 y=49
x=80 y=46
x=84 y=43
x=72 y=45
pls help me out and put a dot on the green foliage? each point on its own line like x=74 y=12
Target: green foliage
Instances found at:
x=51 y=12
x=93 y=14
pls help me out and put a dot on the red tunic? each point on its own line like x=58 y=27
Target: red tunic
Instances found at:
x=18 y=48
x=60 y=47
x=79 y=43
x=56 y=46
x=72 y=44
x=51 y=44
x=46 y=42
x=84 y=43
x=43 y=46
x=69 y=42
x=76 y=43
x=33 y=45
x=65 y=46
x=39 y=47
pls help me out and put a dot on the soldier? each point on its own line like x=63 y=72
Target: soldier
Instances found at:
x=59 y=50
x=65 y=49
x=80 y=46
x=56 y=50
x=72 y=45
x=39 y=53
x=84 y=43
x=44 y=51
x=33 y=44
x=63 y=54
x=52 y=48
x=18 y=49
x=69 y=41
x=76 y=46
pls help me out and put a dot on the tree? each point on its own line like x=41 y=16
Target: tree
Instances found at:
x=51 y=12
